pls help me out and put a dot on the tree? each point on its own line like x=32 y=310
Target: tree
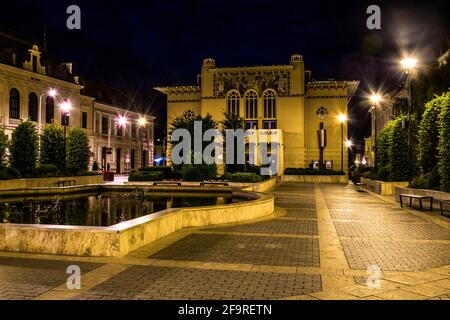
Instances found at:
x=4 y=145
x=399 y=164
x=428 y=136
x=444 y=143
x=52 y=146
x=24 y=148
x=232 y=122
x=384 y=146
x=77 y=150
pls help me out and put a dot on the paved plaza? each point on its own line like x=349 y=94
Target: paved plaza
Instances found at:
x=319 y=244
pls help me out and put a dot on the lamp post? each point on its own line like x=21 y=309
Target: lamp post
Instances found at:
x=375 y=99
x=66 y=106
x=142 y=124
x=121 y=122
x=408 y=65
x=342 y=119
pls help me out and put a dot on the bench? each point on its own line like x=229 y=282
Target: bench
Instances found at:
x=65 y=183
x=167 y=183
x=420 y=198
x=222 y=184
x=443 y=204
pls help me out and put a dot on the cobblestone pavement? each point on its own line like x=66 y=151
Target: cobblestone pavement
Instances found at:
x=319 y=244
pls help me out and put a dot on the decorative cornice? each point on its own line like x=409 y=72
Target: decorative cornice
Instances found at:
x=183 y=101
x=326 y=97
x=179 y=90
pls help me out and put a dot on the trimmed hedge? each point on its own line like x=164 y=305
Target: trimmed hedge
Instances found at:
x=47 y=170
x=312 y=172
x=167 y=171
x=10 y=173
x=246 y=177
x=146 y=176
x=192 y=174
x=444 y=143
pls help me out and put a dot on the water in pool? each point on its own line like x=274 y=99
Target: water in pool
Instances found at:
x=97 y=210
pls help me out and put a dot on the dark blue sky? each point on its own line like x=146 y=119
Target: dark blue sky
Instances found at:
x=135 y=45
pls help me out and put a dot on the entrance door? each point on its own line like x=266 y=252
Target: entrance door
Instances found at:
x=118 y=158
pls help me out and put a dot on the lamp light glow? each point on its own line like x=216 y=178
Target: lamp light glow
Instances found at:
x=409 y=63
x=342 y=118
x=52 y=93
x=349 y=144
x=142 y=122
x=375 y=98
x=122 y=121
x=66 y=106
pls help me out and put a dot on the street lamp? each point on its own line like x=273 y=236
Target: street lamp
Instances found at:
x=375 y=99
x=142 y=123
x=342 y=119
x=408 y=65
x=66 y=106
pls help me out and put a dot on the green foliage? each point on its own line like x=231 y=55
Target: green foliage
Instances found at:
x=167 y=171
x=383 y=174
x=311 y=172
x=232 y=122
x=384 y=145
x=9 y=173
x=399 y=164
x=147 y=176
x=444 y=143
x=4 y=145
x=192 y=174
x=428 y=135
x=52 y=146
x=24 y=148
x=246 y=177
x=47 y=170
x=77 y=150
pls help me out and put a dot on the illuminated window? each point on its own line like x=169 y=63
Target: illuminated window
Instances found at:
x=14 y=104
x=233 y=101
x=251 y=105
x=270 y=104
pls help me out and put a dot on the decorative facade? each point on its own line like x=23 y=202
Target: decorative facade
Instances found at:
x=25 y=83
x=277 y=101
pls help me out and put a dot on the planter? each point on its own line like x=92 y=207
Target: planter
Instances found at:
x=317 y=179
x=383 y=188
x=108 y=176
x=21 y=184
x=437 y=195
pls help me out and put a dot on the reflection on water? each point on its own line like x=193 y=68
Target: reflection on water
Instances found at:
x=96 y=210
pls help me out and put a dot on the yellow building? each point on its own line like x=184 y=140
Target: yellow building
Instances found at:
x=32 y=89
x=281 y=99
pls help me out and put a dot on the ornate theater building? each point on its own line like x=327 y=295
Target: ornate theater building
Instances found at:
x=281 y=103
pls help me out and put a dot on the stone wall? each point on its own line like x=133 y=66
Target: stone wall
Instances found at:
x=383 y=188
x=317 y=179
x=19 y=184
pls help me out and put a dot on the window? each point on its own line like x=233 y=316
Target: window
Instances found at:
x=251 y=125
x=84 y=120
x=251 y=105
x=14 y=104
x=33 y=107
x=233 y=101
x=269 y=124
x=49 y=110
x=270 y=104
x=65 y=120
x=133 y=130
x=119 y=131
x=104 y=125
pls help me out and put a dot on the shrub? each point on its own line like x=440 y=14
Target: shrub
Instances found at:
x=192 y=174
x=444 y=144
x=311 y=172
x=77 y=150
x=52 y=146
x=146 y=176
x=24 y=148
x=383 y=174
x=227 y=176
x=4 y=144
x=422 y=182
x=246 y=177
x=47 y=170
x=95 y=166
x=398 y=154
x=9 y=173
x=167 y=171
x=177 y=174
x=428 y=136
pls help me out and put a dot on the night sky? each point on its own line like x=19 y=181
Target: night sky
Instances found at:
x=133 y=46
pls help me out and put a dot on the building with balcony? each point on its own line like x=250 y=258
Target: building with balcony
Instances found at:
x=33 y=87
x=281 y=101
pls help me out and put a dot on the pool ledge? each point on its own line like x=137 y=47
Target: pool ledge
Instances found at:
x=121 y=239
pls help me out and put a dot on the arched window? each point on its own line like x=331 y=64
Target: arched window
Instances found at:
x=49 y=110
x=33 y=107
x=270 y=104
x=233 y=101
x=251 y=105
x=14 y=104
